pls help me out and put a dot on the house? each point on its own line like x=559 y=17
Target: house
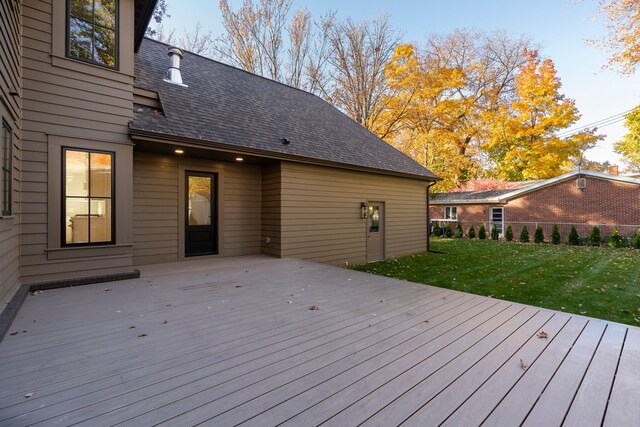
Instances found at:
x=581 y=198
x=118 y=152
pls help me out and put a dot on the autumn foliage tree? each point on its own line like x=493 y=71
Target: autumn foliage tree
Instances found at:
x=444 y=95
x=623 y=33
x=524 y=143
x=629 y=145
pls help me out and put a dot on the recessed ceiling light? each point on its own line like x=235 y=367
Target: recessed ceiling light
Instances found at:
x=239 y=159
x=178 y=151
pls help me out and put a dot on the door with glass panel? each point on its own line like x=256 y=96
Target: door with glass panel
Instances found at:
x=375 y=231
x=200 y=216
x=497 y=219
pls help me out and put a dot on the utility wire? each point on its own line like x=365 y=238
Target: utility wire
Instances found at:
x=616 y=118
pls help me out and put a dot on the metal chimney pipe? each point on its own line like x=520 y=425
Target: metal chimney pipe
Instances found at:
x=173 y=73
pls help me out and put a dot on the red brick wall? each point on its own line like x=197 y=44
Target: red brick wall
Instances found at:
x=601 y=202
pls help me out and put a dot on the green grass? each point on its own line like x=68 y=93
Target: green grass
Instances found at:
x=596 y=282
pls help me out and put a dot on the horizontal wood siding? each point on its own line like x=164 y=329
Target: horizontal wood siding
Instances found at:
x=271 y=211
x=156 y=206
x=10 y=111
x=78 y=103
x=321 y=213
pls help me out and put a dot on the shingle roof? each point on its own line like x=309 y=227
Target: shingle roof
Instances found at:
x=226 y=105
x=468 y=195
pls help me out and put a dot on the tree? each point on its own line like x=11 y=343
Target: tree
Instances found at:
x=458 y=233
x=616 y=239
x=444 y=96
x=494 y=232
x=574 y=238
x=594 y=238
x=447 y=230
x=623 y=38
x=629 y=145
x=509 y=234
x=538 y=235
x=436 y=230
x=524 y=235
x=636 y=240
x=472 y=232
x=524 y=143
x=482 y=232
x=555 y=235
x=159 y=14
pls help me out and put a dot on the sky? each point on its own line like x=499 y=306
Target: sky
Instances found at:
x=559 y=27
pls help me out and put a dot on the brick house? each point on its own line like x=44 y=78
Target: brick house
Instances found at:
x=584 y=199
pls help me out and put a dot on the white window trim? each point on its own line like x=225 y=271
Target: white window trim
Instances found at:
x=455 y=208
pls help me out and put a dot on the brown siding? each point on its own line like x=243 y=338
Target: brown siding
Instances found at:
x=271 y=211
x=10 y=111
x=158 y=183
x=80 y=105
x=321 y=221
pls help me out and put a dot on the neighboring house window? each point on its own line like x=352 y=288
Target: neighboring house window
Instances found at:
x=497 y=219
x=92 y=31
x=87 y=197
x=7 y=169
x=450 y=212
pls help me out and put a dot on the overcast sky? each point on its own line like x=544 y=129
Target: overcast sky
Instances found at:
x=559 y=27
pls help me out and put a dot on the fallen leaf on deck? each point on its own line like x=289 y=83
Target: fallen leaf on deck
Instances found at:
x=381 y=300
x=28 y=395
x=289 y=302
x=13 y=334
x=132 y=327
x=426 y=321
x=543 y=334
x=238 y=286
x=164 y=322
x=168 y=305
x=142 y=335
x=108 y=289
x=523 y=364
x=34 y=293
x=314 y=307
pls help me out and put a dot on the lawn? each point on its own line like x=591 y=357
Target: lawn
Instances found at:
x=596 y=282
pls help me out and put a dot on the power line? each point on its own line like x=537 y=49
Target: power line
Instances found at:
x=616 y=118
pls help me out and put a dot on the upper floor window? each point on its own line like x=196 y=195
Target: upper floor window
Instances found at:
x=7 y=169
x=92 y=31
x=450 y=212
x=87 y=197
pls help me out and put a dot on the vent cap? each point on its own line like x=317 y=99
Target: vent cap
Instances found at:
x=173 y=73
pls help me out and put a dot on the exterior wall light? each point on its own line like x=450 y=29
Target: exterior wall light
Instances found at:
x=363 y=210
x=239 y=159
x=178 y=151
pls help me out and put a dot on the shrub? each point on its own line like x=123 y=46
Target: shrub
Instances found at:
x=573 y=238
x=555 y=235
x=459 y=233
x=636 y=240
x=482 y=232
x=616 y=239
x=447 y=230
x=538 y=236
x=472 y=232
x=494 y=232
x=508 y=235
x=594 y=239
x=436 y=230
x=524 y=235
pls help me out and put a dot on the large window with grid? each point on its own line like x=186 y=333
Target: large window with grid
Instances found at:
x=7 y=169
x=88 y=199
x=92 y=31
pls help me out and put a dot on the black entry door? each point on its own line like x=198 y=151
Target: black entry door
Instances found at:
x=201 y=219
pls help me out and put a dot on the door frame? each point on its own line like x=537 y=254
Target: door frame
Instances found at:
x=383 y=233
x=491 y=208
x=182 y=171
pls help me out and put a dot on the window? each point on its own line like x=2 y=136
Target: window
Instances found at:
x=88 y=197
x=497 y=219
x=7 y=169
x=92 y=31
x=450 y=212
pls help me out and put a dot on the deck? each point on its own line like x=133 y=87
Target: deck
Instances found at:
x=235 y=342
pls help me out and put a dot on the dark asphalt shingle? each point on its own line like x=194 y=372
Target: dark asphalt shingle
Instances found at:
x=226 y=105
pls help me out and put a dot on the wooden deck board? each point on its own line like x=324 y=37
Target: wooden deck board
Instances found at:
x=379 y=350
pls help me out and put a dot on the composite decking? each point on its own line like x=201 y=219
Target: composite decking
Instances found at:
x=234 y=341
